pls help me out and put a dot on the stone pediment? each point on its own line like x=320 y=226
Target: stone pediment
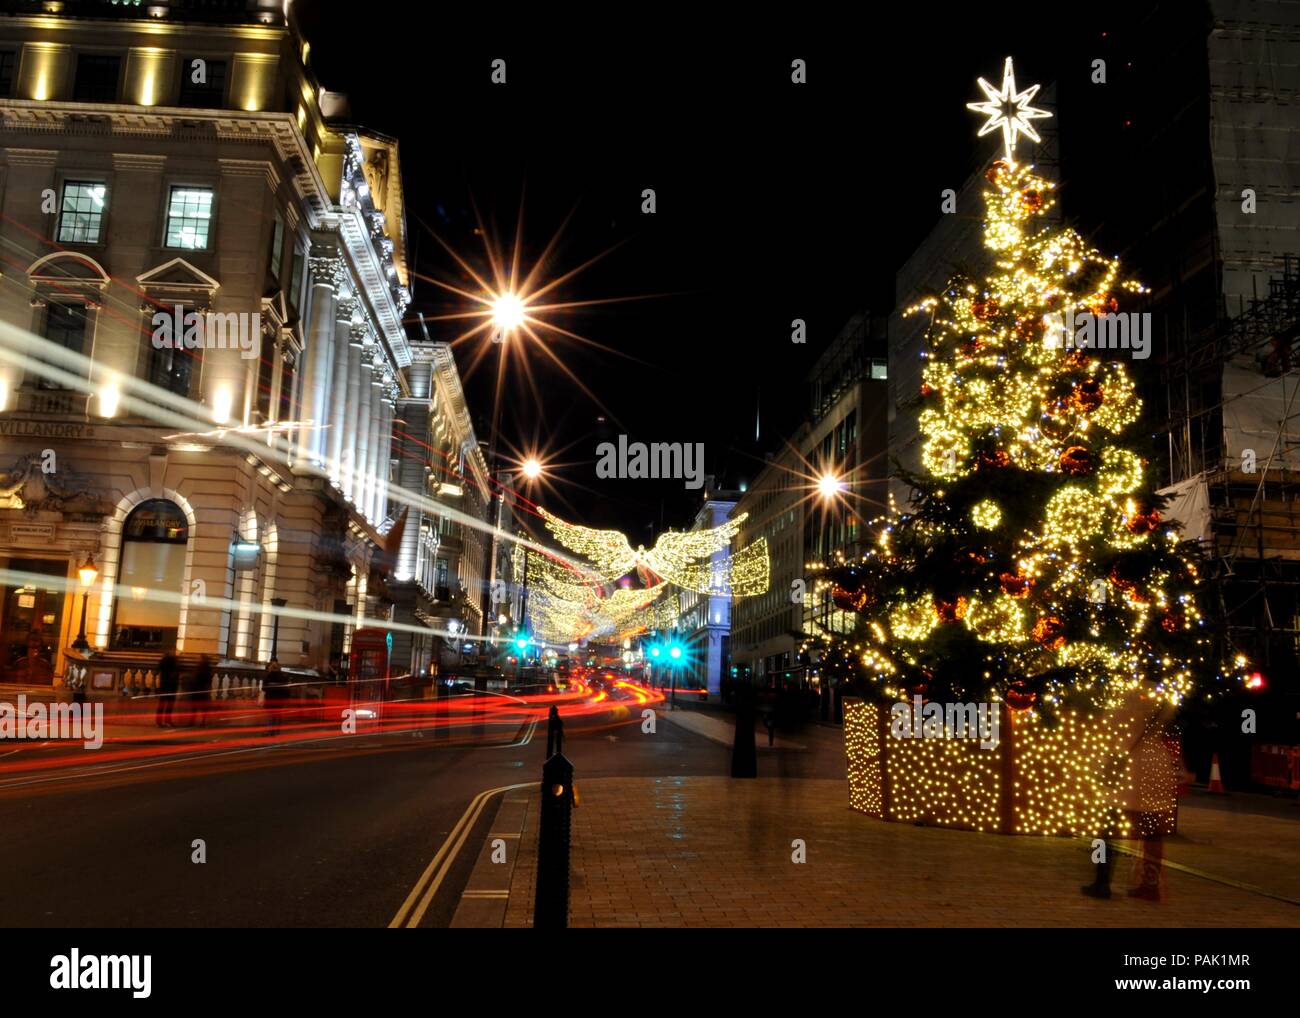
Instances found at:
x=28 y=486
x=178 y=275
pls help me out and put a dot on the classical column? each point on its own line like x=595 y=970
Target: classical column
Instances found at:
x=336 y=414
x=348 y=426
x=320 y=342
x=376 y=403
x=385 y=452
x=361 y=480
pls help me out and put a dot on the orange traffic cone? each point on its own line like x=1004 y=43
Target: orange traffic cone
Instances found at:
x=1216 y=779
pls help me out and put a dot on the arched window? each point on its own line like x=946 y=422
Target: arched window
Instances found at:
x=147 y=615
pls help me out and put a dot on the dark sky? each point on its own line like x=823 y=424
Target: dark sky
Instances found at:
x=775 y=201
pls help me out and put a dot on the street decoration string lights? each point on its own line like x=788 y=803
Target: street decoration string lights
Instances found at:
x=685 y=559
x=1035 y=569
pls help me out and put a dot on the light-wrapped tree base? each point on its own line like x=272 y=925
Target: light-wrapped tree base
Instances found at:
x=1079 y=778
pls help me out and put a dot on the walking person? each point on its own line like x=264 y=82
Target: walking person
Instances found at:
x=169 y=684
x=274 y=690
x=201 y=694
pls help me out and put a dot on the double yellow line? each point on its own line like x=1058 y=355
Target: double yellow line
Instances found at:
x=411 y=914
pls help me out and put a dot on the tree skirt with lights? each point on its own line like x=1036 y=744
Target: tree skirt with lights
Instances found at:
x=1109 y=774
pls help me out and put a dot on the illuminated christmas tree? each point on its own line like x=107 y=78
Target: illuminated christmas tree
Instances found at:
x=1036 y=567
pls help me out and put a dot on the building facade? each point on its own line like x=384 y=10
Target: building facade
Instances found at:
x=441 y=565
x=704 y=620
x=212 y=262
x=843 y=439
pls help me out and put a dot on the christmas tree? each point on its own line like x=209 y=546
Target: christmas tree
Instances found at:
x=1036 y=567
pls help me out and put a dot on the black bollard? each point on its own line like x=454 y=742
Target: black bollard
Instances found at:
x=554 y=834
x=744 y=752
x=554 y=732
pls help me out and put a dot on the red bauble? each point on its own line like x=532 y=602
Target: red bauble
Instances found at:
x=1020 y=696
x=850 y=600
x=992 y=459
x=1172 y=622
x=984 y=308
x=927 y=389
x=1106 y=305
x=1143 y=522
x=1076 y=461
x=1087 y=395
x=950 y=611
x=995 y=172
x=1050 y=631
x=1032 y=200
x=1015 y=585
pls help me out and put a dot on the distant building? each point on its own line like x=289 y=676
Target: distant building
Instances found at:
x=441 y=565
x=843 y=438
x=704 y=621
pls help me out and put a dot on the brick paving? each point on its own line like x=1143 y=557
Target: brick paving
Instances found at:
x=704 y=851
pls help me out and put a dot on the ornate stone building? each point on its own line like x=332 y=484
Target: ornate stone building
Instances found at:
x=178 y=165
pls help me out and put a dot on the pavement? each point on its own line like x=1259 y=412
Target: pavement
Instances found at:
x=718 y=852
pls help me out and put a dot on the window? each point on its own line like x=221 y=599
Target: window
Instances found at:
x=81 y=217
x=97 y=77
x=265 y=379
x=295 y=276
x=277 y=247
x=7 y=60
x=879 y=369
x=189 y=215
x=211 y=91
x=172 y=367
x=286 y=391
x=153 y=561
x=65 y=324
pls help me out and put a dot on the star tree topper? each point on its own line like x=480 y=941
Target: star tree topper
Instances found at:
x=1009 y=110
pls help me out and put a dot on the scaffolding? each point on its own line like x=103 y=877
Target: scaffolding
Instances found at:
x=1238 y=386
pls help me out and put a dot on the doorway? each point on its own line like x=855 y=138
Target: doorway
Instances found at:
x=33 y=622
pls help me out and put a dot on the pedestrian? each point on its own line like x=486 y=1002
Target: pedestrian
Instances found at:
x=169 y=684
x=273 y=692
x=201 y=694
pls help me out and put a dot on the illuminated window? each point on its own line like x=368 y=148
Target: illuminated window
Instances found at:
x=153 y=568
x=879 y=369
x=97 y=78
x=189 y=217
x=81 y=218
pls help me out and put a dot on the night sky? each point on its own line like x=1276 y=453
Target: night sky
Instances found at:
x=775 y=201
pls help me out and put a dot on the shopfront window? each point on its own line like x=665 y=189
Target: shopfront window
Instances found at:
x=147 y=614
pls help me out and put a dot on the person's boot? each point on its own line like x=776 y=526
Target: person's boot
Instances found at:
x=1100 y=887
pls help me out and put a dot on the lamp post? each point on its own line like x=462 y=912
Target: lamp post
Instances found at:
x=276 y=602
x=87 y=573
x=507 y=316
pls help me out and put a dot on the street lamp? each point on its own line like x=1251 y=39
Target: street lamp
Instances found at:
x=828 y=486
x=87 y=573
x=532 y=469
x=507 y=312
x=276 y=602
x=507 y=316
